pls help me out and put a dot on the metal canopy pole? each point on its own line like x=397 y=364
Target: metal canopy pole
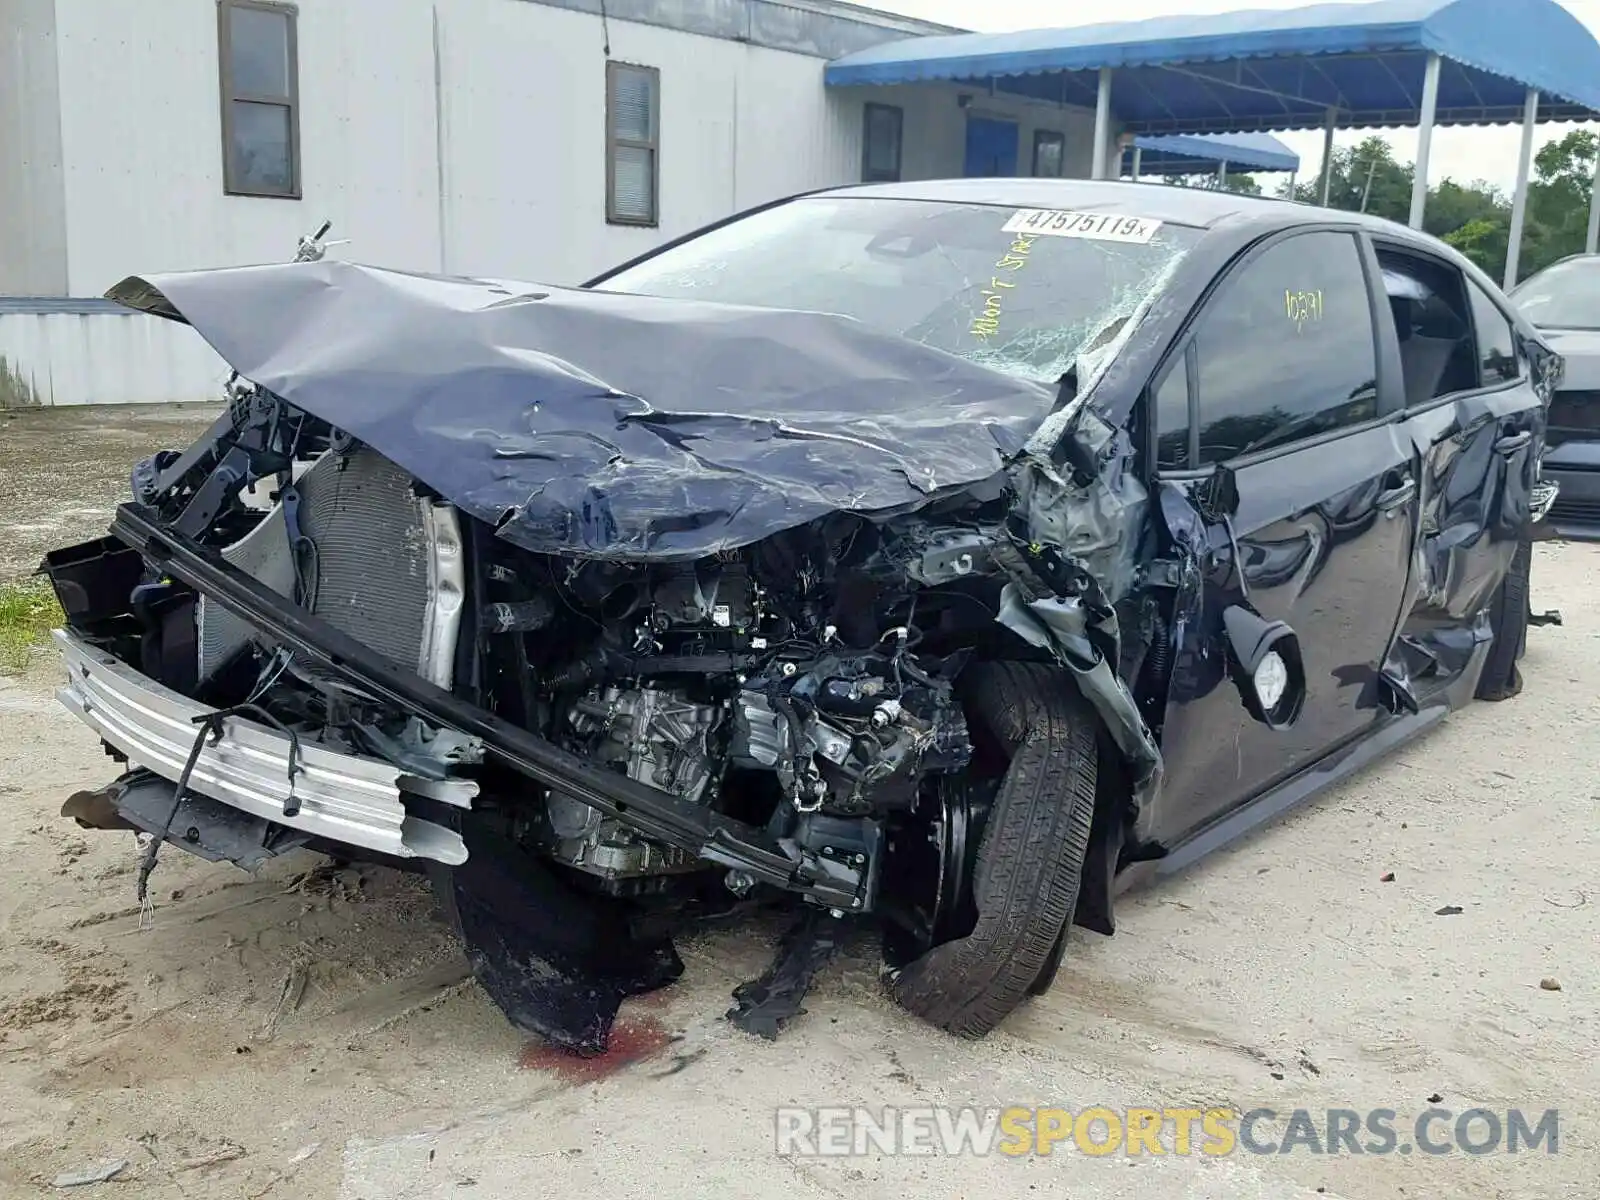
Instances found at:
x=1222 y=173
x=1102 y=126
x=1593 y=238
x=1519 y=198
x=1138 y=151
x=1327 y=153
x=1419 y=173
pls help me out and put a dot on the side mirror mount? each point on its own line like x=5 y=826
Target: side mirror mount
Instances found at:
x=1268 y=668
x=1218 y=497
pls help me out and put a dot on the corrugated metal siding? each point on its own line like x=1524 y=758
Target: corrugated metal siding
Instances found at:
x=61 y=358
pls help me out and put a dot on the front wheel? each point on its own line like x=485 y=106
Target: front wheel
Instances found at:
x=1030 y=857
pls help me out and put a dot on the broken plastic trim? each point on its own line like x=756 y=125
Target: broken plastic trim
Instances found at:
x=650 y=811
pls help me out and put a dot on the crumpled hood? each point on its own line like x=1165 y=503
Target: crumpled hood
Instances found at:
x=607 y=425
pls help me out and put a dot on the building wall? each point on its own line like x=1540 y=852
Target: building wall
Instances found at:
x=142 y=141
x=33 y=246
x=463 y=135
x=935 y=126
x=92 y=352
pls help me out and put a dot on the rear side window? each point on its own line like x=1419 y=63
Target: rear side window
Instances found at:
x=1286 y=349
x=1497 y=347
x=1432 y=323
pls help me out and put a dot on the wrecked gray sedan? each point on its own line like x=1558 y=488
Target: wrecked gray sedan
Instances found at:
x=946 y=556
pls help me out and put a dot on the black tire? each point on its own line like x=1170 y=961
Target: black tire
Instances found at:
x=1030 y=859
x=1508 y=618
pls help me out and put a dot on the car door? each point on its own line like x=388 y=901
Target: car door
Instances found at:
x=1289 y=487
x=1475 y=423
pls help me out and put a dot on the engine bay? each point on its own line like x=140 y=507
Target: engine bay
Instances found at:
x=802 y=686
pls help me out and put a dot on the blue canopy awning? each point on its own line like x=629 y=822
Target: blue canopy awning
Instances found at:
x=1179 y=154
x=1277 y=69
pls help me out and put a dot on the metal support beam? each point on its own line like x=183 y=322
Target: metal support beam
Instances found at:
x=1138 y=152
x=1102 y=126
x=1590 y=242
x=1222 y=173
x=1519 y=198
x=1419 y=173
x=1327 y=152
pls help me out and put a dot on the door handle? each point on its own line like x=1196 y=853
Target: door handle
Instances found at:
x=1513 y=442
x=1392 y=499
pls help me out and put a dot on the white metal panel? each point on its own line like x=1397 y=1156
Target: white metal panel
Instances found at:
x=458 y=135
x=142 y=142
x=524 y=90
x=57 y=358
x=33 y=247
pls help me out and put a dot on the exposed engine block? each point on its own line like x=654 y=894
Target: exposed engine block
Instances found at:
x=658 y=737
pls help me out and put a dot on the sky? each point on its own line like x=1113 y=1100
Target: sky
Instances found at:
x=1464 y=154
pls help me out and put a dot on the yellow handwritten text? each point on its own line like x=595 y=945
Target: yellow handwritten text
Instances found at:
x=1302 y=307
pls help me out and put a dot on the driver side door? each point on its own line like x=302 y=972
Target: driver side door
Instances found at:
x=1286 y=480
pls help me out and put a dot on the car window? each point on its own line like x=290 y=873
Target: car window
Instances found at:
x=1565 y=295
x=1428 y=307
x=1171 y=407
x=1286 y=348
x=1497 y=346
x=974 y=280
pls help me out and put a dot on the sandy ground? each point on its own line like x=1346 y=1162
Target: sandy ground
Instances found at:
x=63 y=469
x=313 y=1034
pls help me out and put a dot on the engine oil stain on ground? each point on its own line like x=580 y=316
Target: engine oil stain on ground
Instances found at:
x=633 y=1039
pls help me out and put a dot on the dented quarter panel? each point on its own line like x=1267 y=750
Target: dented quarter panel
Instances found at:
x=1475 y=502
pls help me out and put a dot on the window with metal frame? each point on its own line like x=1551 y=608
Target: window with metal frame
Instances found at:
x=882 y=127
x=256 y=41
x=1049 y=153
x=633 y=151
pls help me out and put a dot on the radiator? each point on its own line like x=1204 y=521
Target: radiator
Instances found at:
x=387 y=567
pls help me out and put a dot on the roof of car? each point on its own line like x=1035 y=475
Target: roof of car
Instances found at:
x=1200 y=207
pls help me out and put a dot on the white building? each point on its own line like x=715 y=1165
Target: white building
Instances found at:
x=538 y=139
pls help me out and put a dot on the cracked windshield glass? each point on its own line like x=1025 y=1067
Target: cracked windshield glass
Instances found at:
x=1022 y=291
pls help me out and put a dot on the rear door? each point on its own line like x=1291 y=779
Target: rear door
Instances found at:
x=1279 y=388
x=1474 y=418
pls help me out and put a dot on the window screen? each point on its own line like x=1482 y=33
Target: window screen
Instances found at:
x=1497 y=347
x=880 y=143
x=260 y=99
x=1286 y=348
x=633 y=101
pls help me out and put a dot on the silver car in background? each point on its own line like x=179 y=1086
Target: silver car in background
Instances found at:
x=1563 y=302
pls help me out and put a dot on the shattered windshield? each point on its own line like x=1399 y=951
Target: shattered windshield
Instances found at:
x=1025 y=291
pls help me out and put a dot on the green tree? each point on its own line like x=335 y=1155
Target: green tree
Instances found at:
x=1558 y=200
x=1365 y=178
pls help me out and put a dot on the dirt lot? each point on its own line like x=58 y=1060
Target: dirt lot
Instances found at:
x=307 y=1034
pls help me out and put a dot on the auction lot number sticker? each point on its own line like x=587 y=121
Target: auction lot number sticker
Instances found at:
x=1104 y=227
